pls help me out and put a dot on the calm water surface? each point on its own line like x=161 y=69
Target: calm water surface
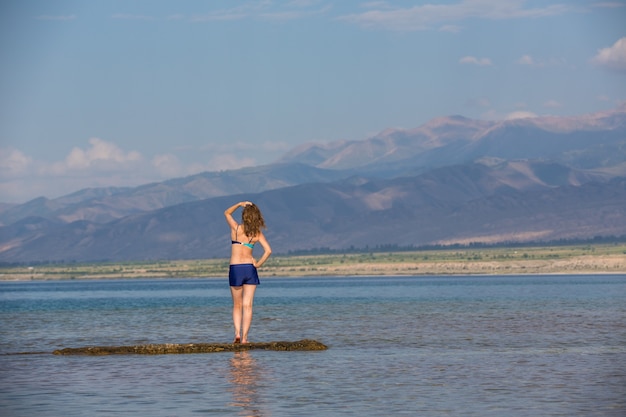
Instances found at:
x=418 y=346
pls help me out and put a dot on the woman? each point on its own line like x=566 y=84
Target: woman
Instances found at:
x=242 y=275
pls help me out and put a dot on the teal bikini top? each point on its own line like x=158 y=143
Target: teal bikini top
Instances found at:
x=236 y=242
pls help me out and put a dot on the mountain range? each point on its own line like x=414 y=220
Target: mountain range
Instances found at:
x=451 y=180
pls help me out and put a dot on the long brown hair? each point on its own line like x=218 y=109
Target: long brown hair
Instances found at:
x=252 y=220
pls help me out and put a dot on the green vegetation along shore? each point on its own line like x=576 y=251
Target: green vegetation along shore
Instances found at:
x=581 y=259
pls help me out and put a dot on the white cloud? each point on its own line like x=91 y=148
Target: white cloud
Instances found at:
x=167 y=165
x=13 y=163
x=101 y=164
x=481 y=62
x=427 y=16
x=100 y=155
x=538 y=63
x=526 y=60
x=613 y=57
x=493 y=114
x=520 y=115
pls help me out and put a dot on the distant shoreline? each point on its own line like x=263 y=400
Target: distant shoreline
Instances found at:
x=575 y=259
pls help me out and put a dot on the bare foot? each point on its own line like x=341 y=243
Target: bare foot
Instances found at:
x=237 y=340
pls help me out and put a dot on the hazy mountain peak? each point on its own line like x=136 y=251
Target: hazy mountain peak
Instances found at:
x=456 y=139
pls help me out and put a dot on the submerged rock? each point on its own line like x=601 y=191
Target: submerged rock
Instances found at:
x=175 y=348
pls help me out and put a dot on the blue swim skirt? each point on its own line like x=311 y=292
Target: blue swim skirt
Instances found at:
x=241 y=274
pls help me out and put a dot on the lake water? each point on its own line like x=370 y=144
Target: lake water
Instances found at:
x=416 y=346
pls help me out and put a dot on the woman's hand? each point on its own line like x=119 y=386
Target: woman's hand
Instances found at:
x=245 y=203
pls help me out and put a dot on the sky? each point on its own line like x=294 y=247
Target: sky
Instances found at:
x=124 y=93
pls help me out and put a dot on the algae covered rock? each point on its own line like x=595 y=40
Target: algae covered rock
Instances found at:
x=175 y=348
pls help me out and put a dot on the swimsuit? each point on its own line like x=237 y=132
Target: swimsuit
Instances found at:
x=249 y=244
x=241 y=274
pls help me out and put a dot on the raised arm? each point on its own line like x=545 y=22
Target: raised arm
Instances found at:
x=228 y=213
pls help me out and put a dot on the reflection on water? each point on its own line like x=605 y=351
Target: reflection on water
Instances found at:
x=245 y=381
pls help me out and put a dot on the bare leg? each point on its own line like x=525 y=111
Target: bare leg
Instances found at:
x=237 y=294
x=248 y=300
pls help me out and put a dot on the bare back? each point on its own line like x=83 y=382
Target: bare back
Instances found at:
x=240 y=253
